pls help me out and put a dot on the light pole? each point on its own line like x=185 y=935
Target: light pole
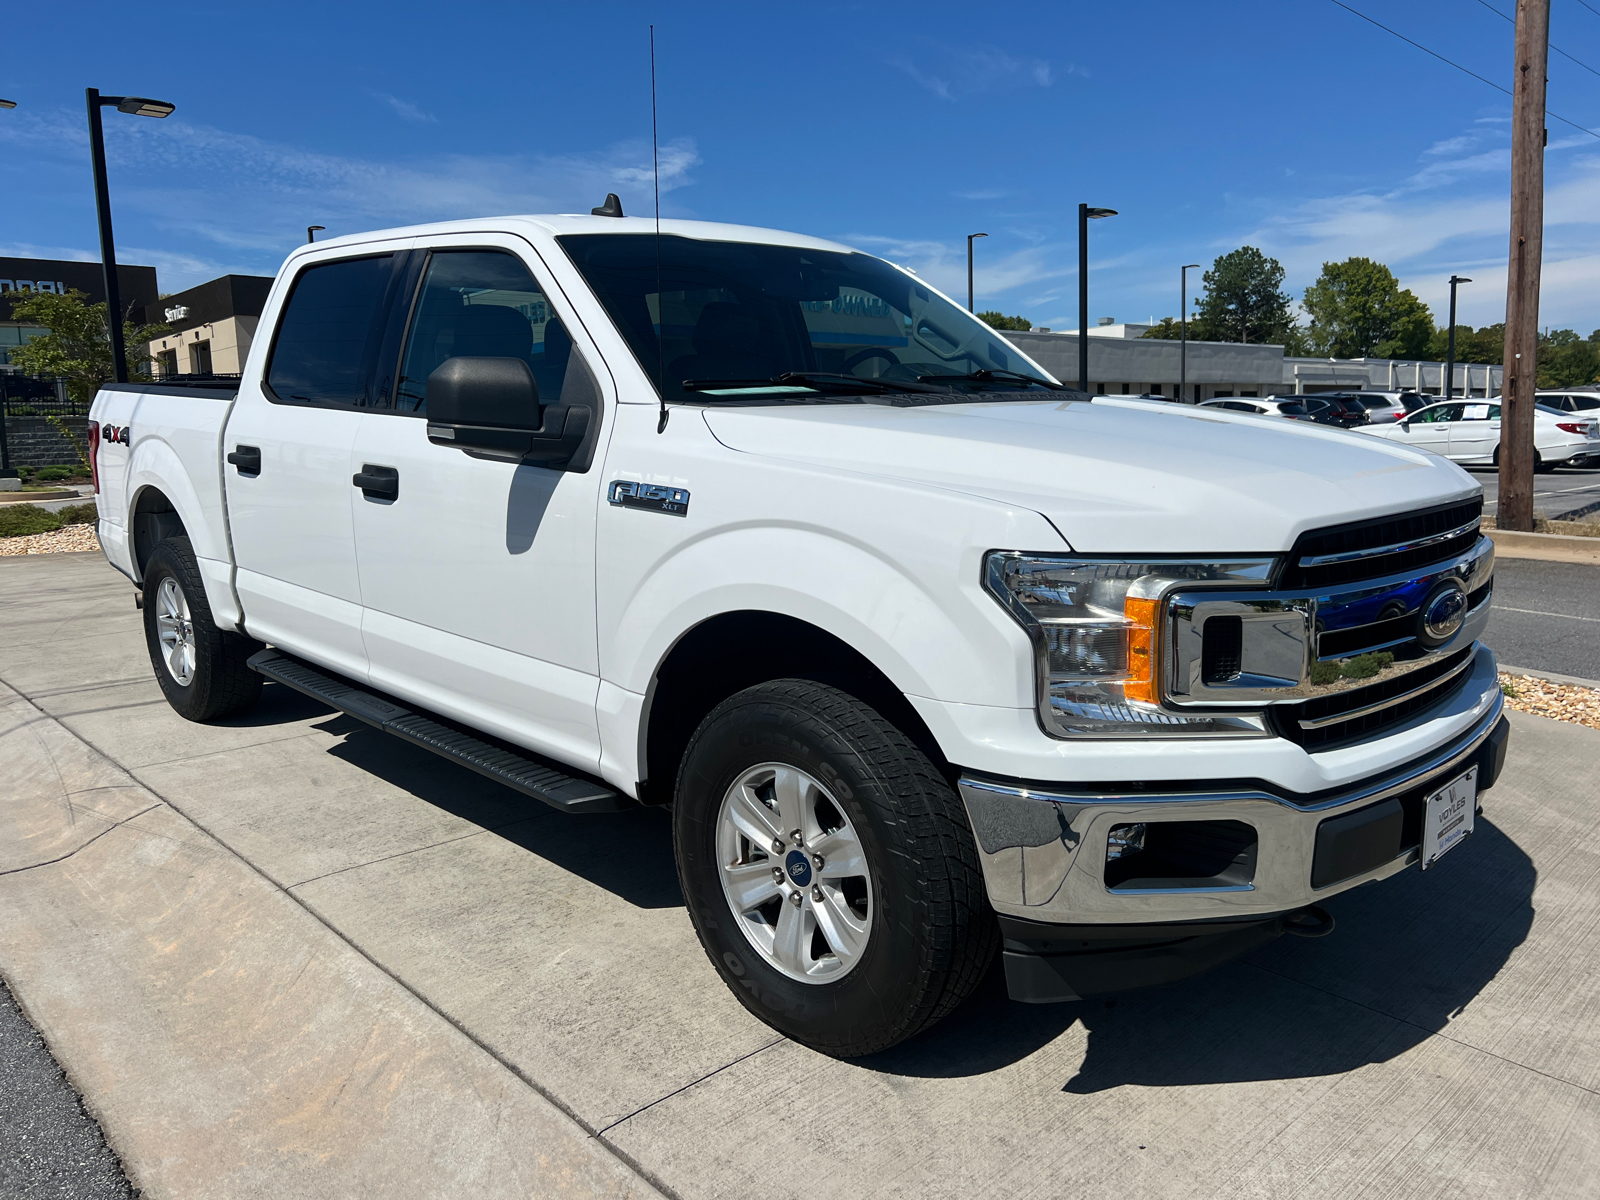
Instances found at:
x=970 y=238
x=7 y=471
x=137 y=106
x=1085 y=215
x=1450 y=343
x=311 y=232
x=1183 y=332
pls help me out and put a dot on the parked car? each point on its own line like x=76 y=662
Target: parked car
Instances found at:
x=1577 y=401
x=1468 y=432
x=1327 y=408
x=1269 y=406
x=770 y=532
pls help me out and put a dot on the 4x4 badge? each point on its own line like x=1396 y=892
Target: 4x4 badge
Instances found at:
x=654 y=497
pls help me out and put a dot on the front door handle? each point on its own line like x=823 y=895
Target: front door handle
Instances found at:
x=377 y=483
x=247 y=459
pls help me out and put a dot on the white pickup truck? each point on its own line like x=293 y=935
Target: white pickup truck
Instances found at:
x=932 y=658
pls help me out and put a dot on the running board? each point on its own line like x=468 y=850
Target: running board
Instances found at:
x=522 y=772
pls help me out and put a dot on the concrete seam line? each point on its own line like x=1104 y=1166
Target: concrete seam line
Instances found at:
x=533 y=1085
x=460 y=837
x=690 y=1084
x=1438 y=1033
x=50 y=862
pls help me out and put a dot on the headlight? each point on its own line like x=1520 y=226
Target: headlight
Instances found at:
x=1097 y=632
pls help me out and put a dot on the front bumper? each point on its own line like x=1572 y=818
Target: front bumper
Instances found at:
x=1043 y=846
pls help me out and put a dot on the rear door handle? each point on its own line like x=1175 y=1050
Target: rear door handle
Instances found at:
x=377 y=483
x=247 y=459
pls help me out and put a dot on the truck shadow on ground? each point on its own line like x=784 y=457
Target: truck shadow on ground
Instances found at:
x=1407 y=956
x=627 y=853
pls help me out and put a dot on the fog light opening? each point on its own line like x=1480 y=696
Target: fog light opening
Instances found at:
x=1124 y=840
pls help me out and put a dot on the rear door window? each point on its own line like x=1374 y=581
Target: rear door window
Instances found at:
x=329 y=333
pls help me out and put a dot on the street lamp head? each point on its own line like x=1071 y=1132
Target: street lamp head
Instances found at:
x=312 y=231
x=8 y=103
x=970 y=236
x=1191 y=266
x=1094 y=214
x=140 y=106
x=1459 y=279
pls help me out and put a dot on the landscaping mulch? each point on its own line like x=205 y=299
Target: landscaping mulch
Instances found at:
x=1559 y=701
x=69 y=539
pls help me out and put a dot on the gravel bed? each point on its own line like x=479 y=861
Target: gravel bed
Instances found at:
x=69 y=539
x=1560 y=701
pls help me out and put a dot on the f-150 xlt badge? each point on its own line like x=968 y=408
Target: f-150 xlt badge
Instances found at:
x=651 y=496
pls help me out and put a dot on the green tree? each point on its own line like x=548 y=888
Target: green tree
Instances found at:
x=1171 y=329
x=998 y=320
x=1486 y=345
x=1244 y=300
x=78 y=347
x=1359 y=310
x=1567 y=361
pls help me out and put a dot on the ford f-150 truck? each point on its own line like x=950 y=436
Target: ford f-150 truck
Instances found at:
x=932 y=658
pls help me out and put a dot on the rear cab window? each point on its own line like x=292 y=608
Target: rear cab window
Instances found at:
x=329 y=335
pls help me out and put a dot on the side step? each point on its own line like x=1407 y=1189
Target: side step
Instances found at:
x=526 y=774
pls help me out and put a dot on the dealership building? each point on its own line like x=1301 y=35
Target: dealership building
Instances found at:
x=1122 y=361
x=212 y=326
x=29 y=276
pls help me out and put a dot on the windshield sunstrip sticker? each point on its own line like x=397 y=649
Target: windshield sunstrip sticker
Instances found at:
x=652 y=497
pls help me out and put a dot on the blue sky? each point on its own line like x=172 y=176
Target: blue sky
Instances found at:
x=1290 y=125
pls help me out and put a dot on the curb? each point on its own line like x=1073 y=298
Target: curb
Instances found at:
x=31 y=497
x=1550 y=676
x=1552 y=547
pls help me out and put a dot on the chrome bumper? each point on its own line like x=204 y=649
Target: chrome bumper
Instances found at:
x=1043 y=848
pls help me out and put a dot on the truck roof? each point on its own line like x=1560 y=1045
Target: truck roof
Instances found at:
x=555 y=225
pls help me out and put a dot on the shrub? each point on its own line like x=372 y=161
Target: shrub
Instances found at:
x=1324 y=672
x=19 y=520
x=78 y=514
x=1365 y=666
x=54 y=474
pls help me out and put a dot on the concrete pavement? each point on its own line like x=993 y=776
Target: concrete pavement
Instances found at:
x=331 y=885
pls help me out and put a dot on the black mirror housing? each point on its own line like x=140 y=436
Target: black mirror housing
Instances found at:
x=484 y=391
x=489 y=408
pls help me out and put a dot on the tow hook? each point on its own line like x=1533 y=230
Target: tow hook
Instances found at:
x=1309 y=922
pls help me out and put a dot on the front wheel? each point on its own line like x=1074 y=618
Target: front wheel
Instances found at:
x=829 y=869
x=201 y=669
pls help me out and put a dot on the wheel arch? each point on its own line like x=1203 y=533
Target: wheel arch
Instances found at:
x=731 y=651
x=152 y=518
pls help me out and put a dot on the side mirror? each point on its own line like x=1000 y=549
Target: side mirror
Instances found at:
x=1406 y=425
x=490 y=407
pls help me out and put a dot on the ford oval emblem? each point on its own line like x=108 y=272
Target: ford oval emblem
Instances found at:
x=798 y=867
x=1443 y=613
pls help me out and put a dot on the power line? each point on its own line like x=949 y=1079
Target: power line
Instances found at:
x=1590 y=7
x=1553 y=46
x=1456 y=65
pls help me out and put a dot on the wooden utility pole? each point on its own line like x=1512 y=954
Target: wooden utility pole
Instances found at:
x=1522 y=275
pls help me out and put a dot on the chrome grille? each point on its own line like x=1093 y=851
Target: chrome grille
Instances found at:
x=1384 y=546
x=1332 y=721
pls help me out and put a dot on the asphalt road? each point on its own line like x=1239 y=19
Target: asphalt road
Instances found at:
x=1560 y=493
x=49 y=1147
x=1546 y=616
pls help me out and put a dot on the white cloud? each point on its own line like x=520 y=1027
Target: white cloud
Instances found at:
x=406 y=110
x=953 y=73
x=945 y=264
x=252 y=199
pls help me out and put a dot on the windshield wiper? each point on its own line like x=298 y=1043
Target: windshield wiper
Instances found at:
x=804 y=381
x=985 y=375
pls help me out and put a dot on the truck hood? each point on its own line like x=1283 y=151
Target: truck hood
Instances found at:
x=1114 y=476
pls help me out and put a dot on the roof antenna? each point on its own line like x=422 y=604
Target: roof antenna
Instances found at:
x=611 y=208
x=661 y=300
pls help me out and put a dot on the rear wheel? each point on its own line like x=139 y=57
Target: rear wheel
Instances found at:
x=201 y=669
x=829 y=869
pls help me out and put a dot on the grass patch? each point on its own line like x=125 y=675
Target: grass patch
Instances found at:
x=20 y=520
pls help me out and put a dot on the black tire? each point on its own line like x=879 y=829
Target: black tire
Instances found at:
x=221 y=684
x=933 y=934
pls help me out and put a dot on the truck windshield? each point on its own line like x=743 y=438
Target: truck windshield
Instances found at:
x=733 y=318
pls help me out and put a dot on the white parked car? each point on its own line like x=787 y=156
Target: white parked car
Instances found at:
x=1270 y=406
x=1576 y=401
x=1468 y=432
x=769 y=531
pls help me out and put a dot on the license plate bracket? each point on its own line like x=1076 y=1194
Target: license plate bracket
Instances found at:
x=1449 y=817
